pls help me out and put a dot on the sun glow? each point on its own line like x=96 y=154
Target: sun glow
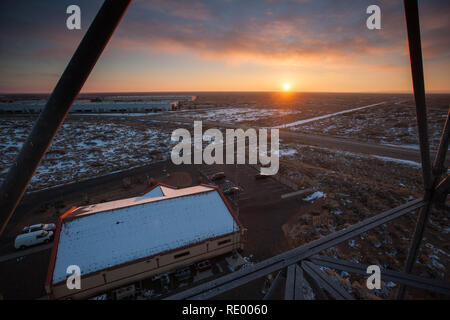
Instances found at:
x=287 y=86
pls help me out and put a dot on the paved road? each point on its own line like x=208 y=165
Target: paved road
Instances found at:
x=348 y=145
x=26 y=252
x=328 y=142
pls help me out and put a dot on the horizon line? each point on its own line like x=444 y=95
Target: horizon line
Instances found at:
x=230 y=91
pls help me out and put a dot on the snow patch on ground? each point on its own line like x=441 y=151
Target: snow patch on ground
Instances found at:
x=406 y=162
x=82 y=150
x=316 y=195
x=405 y=146
x=297 y=123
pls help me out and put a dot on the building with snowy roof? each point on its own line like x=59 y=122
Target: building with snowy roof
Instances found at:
x=32 y=107
x=120 y=242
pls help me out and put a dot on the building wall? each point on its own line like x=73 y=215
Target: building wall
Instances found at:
x=108 y=105
x=94 y=107
x=97 y=283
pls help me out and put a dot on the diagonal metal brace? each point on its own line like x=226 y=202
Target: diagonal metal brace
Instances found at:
x=294 y=283
x=58 y=106
x=327 y=283
x=386 y=275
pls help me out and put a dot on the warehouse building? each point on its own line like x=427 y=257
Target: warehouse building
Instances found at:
x=124 y=106
x=93 y=107
x=181 y=98
x=114 y=104
x=120 y=242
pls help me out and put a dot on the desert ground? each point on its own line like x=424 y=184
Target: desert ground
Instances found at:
x=345 y=156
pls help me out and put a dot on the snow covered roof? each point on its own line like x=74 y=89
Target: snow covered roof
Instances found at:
x=157 y=194
x=105 y=235
x=158 y=191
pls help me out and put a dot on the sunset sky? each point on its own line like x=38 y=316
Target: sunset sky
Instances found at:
x=227 y=45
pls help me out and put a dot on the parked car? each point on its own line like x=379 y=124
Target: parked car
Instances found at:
x=203 y=265
x=163 y=279
x=39 y=226
x=125 y=292
x=232 y=190
x=25 y=240
x=217 y=176
x=183 y=274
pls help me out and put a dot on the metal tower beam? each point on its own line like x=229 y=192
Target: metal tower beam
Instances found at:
x=386 y=275
x=328 y=284
x=236 y=279
x=58 y=106
x=294 y=283
x=415 y=51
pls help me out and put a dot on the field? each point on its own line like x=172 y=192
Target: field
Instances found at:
x=272 y=109
x=393 y=123
x=354 y=188
x=87 y=147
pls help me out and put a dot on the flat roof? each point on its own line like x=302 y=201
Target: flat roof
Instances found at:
x=109 y=234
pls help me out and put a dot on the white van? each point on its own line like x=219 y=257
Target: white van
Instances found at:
x=32 y=238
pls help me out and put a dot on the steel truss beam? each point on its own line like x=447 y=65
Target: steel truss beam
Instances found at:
x=436 y=194
x=328 y=284
x=430 y=176
x=315 y=286
x=438 y=166
x=275 y=288
x=58 y=106
x=415 y=51
x=442 y=191
x=236 y=279
x=294 y=283
x=386 y=275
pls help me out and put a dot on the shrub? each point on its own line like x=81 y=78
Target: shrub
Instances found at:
x=44 y=208
x=126 y=183
x=151 y=181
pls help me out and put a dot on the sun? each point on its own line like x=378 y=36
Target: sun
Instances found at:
x=287 y=86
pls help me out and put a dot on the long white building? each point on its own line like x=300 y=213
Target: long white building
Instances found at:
x=119 y=104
